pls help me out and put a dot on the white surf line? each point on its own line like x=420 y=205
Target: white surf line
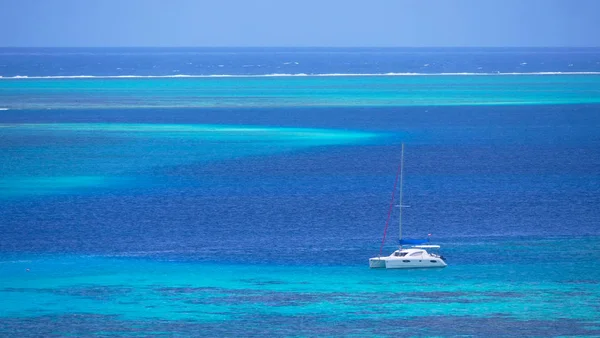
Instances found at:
x=23 y=77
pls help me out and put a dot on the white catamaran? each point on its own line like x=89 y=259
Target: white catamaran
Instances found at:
x=413 y=257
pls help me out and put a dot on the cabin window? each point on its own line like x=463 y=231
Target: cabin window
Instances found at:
x=416 y=254
x=433 y=261
x=406 y=261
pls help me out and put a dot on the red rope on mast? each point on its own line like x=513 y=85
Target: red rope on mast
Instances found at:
x=387 y=222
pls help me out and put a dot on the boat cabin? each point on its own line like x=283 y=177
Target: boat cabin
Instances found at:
x=408 y=253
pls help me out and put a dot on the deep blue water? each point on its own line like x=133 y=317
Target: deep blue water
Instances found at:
x=185 y=225
x=470 y=172
x=262 y=61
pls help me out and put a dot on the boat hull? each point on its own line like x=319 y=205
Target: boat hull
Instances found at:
x=399 y=263
x=426 y=263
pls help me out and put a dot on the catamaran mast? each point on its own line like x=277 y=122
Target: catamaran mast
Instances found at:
x=401 y=176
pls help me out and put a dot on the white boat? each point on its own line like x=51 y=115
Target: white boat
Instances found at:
x=410 y=258
x=415 y=256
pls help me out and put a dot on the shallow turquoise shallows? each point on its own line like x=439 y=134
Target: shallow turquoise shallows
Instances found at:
x=70 y=156
x=295 y=91
x=308 y=298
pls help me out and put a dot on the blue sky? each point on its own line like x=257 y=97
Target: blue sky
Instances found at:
x=333 y=23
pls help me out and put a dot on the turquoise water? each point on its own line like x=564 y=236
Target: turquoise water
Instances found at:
x=299 y=91
x=531 y=295
x=249 y=206
x=68 y=156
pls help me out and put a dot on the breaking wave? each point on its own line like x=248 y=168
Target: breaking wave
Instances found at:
x=286 y=75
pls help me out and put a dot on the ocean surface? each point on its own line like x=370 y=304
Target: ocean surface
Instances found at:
x=241 y=192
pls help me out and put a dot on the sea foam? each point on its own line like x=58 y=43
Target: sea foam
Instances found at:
x=288 y=75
